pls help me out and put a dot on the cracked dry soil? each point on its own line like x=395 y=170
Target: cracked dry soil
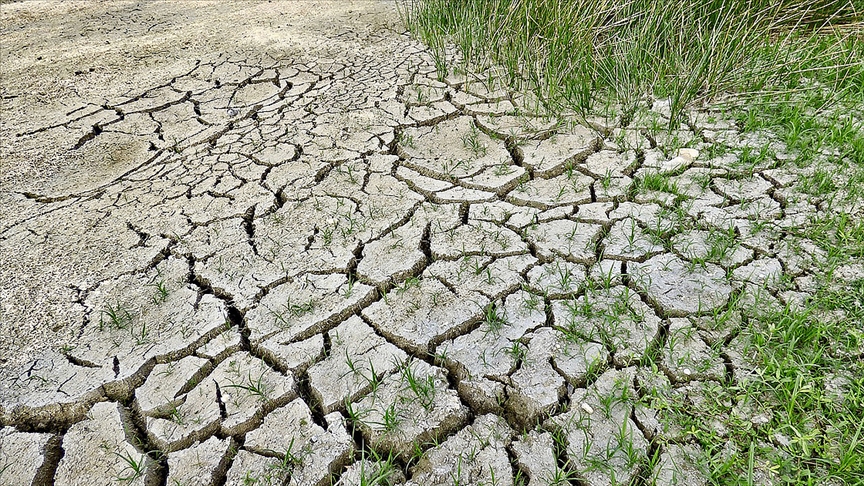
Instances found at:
x=268 y=244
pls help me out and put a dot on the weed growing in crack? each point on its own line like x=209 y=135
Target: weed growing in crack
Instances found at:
x=161 y=294
x=492 y=319
x=116 y=316
x=423 y=388
x=257 y=388
x=356 y=417
x=656 y=181
x=132 y=468
x=293 y=310
x=409 y=283
x=471 y=141
x=391 y=418
x=384 y=472
x=516 y=351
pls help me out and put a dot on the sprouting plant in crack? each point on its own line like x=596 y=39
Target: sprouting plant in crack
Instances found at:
x=117 y=316
x=348 y=289
x=161 y=292
x=257 y=388
x=289 y=309
x=391 y=418
x=373 y=380
x=493 y=319
x=355 y=416
x=407 y=140
x=290 y=458
x=516 y=351
x=503 y=170
x=471 y=141
x=175 y=416
x=385 y=467
x=409 y=283
x=422 y=388
x=133 y=468
x=606 y=180
x=561 y=477
x=141 y=336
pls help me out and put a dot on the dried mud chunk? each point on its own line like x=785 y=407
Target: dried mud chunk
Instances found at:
x=526 y=127
x=200 y=464
x=738 y=190
x=490 y=277
x=358 y=358
x=476 y=238
x=140 y=318
x=599 y=430
x=594 y=212
x=96 y=451
x=535 y=457
x=195 y=418
x=564 y=190
x=291 y=356
x=167 y=381
x=500 y=212
x=477 y=454
x=225 y=343
x=429 y=114
x=306 y=306
x=499 y=178
x=570 y=240
x=721 y=247
x=644 y=213
x=610 y=163
x=250 y=468
x=51 y=388
x=460 y=194
x=21 y=454
x=557 y=279
x=421 y=183
x=612 y=188
x=366 y=472
x=307 y=450
x=679 y=288
x=680 y=465
x=482 y=359
x=412 y=406
x=249 y=389
x=655 y=411
x=420 y=313
x=686 y=357
x=764 y=272
x=456 y=142
x=628 y=241
x=615 y=317
x=393 y=257
x=548 y=364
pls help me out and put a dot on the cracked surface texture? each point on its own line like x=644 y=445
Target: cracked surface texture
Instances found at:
x=269 y=244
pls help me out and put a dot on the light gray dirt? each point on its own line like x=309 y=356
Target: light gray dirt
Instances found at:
x=262 y=241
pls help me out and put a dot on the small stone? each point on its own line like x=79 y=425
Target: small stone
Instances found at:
x=689 y=154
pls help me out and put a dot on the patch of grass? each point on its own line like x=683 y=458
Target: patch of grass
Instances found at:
x=572 y=54
x=132 y=468
x=423 y=388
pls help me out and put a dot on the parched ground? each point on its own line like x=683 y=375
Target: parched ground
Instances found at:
x=262 y=243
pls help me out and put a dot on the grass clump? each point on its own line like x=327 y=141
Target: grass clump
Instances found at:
x=574 y=54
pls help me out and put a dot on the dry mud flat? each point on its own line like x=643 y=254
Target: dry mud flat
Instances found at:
x=266 y=245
